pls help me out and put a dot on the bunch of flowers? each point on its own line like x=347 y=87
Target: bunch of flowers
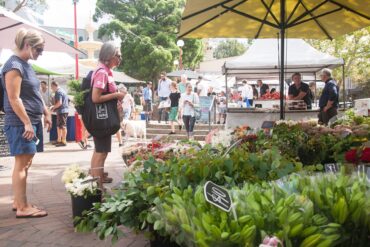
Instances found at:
x=222 y=138
x=82 y=186
x=290 y=123
x=358 y=155
x=78 y=183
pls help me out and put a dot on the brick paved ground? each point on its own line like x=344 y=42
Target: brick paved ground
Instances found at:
x=45 y=189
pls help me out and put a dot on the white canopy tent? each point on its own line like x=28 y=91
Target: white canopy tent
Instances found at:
x=261 y=61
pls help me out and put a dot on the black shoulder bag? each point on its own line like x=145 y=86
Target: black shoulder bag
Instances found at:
x=102 y=119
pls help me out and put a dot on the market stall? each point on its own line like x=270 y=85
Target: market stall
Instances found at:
x=261 y=62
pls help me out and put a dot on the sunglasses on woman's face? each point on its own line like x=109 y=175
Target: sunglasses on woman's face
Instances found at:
x=119 y=56
x=39 y=50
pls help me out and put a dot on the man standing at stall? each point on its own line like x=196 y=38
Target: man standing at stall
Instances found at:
x=300 y=90
x=329 y=100
x=264 y=88
x=247 y=93
x=61 y=108
x=147 y=101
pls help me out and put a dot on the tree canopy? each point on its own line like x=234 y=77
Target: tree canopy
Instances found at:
x=148 y=30
x=354 y=49
x=229 y=48
x=38 y=6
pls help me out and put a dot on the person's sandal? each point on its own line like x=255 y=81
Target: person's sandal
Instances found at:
x=38 y=213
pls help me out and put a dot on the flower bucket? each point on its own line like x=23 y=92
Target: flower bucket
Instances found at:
x=80 y=203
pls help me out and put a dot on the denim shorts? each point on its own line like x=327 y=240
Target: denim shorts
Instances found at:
x=18 y=144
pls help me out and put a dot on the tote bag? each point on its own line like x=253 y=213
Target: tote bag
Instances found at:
x=102 y=119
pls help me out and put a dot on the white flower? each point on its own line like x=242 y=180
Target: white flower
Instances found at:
x=223 y=137
x=72 y=172
x=77 y=188
x=290 y=123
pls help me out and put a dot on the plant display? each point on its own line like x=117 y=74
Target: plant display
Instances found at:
x=79 y=183
x=325 y=210
x=151 y=181
x=276 y=194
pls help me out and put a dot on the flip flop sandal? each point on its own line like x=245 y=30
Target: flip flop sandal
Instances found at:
x=33 y=215
x=15 y=209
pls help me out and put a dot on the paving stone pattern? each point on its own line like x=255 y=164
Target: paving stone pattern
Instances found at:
x=46 y=190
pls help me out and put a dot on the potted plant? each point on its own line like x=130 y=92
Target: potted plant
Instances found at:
x=83 y=189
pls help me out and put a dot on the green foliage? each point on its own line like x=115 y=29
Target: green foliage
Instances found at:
x=301 y=211
x=78 y=94
x=229 y=48
x=354 y=48
x=144 y=188
x=148 y=30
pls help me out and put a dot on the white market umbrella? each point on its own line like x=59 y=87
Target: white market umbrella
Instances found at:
x=10 y=23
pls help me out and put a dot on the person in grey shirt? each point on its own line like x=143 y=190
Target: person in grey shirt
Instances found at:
x=45 y=94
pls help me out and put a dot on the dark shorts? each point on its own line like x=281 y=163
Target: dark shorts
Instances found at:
x=62 y=120
x=19 y=145
x=148 y=106
x=103 y=144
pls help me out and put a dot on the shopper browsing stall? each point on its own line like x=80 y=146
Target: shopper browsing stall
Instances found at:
x=329 y=100
x=61 y=108
x=24 y=107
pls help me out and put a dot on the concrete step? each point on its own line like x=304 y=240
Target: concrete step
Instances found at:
x=166 y=131
x=162 y=125
x=177 y=137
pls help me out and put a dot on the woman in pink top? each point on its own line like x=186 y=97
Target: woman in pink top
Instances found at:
x=102 y=82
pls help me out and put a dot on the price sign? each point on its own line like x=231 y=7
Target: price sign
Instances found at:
x=217 y=196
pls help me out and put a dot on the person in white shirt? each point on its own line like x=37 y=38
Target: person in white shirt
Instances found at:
x=164 y=92
x=188 y=102
x=247 y=93
x=202 y=88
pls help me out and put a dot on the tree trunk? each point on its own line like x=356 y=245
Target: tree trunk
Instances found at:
x=20 y=5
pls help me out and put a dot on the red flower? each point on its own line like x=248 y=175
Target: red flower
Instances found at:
x=365 y=157
x=351 y=156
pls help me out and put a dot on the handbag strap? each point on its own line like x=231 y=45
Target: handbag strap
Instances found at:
x=92 y=79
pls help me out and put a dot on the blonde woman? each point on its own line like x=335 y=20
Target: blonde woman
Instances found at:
x=24 y=107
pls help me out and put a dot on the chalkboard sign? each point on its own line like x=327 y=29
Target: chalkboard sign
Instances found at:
x=4 y=147
x=205 y=103
x=218 y=196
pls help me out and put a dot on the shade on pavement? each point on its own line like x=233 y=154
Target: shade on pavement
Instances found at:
x=10 y=23
x=313 y=19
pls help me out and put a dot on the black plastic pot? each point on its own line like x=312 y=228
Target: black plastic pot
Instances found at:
x=80 y=203
x=162 y=242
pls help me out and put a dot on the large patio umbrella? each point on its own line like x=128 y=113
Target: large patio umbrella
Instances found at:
x=311 y=19
x=10 y=23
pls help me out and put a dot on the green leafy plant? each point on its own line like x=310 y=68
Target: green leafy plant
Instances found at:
x=153 y=183
x=325 y=210
x=78 y=94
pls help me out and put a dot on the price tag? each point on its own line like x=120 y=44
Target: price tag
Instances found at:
x=217 y=196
